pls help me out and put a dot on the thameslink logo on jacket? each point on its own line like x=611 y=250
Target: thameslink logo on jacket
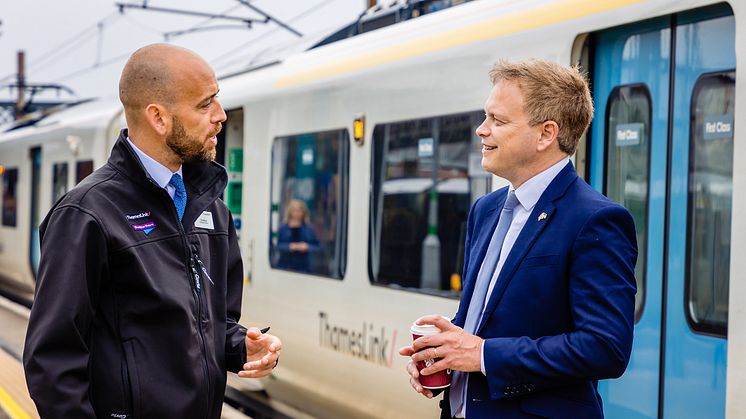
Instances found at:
x=137 y=216
x=146 y=227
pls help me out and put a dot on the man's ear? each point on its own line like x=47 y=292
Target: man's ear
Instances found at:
x=548 y=135
x=158 y=118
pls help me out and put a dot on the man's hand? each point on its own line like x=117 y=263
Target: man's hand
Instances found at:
x=456 y=349
x=414 y=375
x=262 y=353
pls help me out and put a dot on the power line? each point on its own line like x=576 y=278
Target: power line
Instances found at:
x=199 y=26
x=86 y=70
x=256 y=9
x=68 y=45
x=73 y=42
x=100 y=64
x=294 y=19
x=145 y=6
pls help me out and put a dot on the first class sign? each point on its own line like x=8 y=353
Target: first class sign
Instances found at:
x=629 y=134
x=718 y=127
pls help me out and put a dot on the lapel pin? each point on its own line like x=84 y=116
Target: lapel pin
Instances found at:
x=542 y=216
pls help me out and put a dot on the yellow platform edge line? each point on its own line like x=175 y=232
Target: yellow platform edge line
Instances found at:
x=11 y=407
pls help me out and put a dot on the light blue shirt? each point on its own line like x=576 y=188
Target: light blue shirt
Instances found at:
x=158 y=172
x=528 y=195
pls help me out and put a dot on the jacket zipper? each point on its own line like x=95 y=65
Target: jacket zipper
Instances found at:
x=194 y=279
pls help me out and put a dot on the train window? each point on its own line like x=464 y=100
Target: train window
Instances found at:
x=59 y=180
x=82 y=170
x=710 y=198
x=627 y=165
x=309 y=203
x=10 y=197
x=417 y=231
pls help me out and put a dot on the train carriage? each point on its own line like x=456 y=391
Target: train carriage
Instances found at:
x=375 y=134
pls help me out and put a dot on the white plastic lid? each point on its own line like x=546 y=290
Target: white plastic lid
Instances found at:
x=425 y=329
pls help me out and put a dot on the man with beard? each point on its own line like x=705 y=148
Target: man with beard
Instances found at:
x=139 y=287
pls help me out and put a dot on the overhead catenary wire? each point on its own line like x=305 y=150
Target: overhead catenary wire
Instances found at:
x=99 y=64
x=65 y=47
x=243 y=57
x=174 y=34
x=86 y=70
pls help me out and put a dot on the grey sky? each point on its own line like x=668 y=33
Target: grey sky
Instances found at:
x=83 y=44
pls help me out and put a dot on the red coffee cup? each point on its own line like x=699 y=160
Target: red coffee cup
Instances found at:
x=440 y=379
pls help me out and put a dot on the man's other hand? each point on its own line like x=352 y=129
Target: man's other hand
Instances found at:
x=262 y=354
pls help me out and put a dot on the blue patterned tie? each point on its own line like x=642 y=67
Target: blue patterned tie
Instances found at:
x=477 y=303
x=180 y=196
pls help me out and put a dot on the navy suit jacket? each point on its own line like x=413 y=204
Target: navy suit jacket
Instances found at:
x=561 y=314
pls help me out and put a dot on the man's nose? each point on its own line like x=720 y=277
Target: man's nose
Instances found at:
x=482 y=130
x=220 y=115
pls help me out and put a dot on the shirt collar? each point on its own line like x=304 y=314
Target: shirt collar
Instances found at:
x=158 y=172
x=529 y=193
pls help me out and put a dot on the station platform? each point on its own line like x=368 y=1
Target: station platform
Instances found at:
x=15 y=402
x=14 y=398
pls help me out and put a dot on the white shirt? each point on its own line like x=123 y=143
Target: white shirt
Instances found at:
x=158 y=172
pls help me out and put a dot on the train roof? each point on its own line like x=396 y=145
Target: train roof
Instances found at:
x=90 y=114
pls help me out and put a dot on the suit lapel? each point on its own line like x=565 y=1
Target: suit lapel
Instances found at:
x=531 y=231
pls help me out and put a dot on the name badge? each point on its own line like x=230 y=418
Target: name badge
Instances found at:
x=205 y=221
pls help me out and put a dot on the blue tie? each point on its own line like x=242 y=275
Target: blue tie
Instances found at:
x=477 y=303
x=180 y=196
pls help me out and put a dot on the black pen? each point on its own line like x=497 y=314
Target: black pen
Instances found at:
x=265 y=330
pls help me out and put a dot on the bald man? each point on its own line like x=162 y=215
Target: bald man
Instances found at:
x=139 y=288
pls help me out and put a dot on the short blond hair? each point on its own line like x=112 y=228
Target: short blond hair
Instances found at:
x=551 y=92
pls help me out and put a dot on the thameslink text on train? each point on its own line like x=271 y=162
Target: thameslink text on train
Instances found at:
x=361 y=343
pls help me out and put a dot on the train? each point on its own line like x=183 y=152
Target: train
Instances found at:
x=373 y=128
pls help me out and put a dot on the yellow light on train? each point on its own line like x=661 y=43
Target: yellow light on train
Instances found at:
x=2 y=169
x=358 y=129
x=455 y=282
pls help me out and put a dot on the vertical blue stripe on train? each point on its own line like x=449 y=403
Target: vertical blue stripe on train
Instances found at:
x=637 y=55
x=695 y=363
x=637 y=58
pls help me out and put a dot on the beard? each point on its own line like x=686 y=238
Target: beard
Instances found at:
x=189 y=148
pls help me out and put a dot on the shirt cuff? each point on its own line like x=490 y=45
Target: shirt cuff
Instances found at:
x=481 y=362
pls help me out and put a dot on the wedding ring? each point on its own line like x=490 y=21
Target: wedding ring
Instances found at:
x=435 y=353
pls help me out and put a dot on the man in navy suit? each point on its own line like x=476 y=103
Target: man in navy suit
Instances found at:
x=548 y=303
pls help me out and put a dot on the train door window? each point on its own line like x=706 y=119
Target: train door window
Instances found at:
x=309 y=203
x=10 y=197
x=59 y=180
x=417 y=230
x=710 y=202
x=83 y=168
x=627 y=165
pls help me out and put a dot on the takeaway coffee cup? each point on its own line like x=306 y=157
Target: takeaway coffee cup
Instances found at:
x=440 y=379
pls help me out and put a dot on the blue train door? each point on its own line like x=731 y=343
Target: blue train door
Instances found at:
x=700 y=213
x=652 y=80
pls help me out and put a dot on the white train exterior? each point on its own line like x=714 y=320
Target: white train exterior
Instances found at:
x=417 y=85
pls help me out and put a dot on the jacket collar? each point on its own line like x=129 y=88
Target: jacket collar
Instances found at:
x=205 y=180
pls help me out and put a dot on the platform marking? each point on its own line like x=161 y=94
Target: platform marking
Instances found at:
x=11 y=407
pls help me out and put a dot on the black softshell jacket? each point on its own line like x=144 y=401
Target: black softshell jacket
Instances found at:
x=136 y=314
